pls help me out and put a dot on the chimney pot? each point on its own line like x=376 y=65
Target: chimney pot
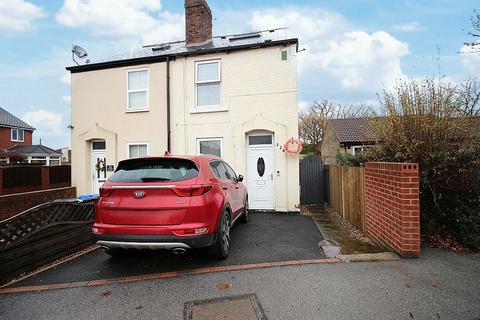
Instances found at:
x=198 y=22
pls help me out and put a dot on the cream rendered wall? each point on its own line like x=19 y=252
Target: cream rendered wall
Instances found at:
x=99 y=101
x=259 y=89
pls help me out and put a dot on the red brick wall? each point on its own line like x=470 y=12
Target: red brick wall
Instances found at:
x=13 y=204
x=6 y=136
x=392 y=206
x=198 y=21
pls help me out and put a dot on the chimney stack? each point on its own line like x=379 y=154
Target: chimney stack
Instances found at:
x=198 y=22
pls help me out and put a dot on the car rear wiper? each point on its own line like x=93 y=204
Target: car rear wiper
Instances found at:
x=154 y=179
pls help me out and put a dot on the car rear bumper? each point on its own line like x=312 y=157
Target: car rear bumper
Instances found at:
x=153 y=242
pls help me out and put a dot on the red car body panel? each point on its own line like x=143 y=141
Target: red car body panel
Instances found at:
x=168 y=208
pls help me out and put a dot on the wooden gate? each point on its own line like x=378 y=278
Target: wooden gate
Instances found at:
x=312 y=181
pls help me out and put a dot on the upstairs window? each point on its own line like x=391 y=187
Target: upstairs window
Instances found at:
x=208 y=84
x=17 y=135
x=137 y=90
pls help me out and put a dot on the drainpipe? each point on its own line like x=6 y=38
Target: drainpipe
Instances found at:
x=168 y=106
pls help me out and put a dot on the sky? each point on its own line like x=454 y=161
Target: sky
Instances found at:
x=353 y=49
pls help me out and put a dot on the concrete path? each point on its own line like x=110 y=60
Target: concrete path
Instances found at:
x=438 y=285
x=337 y=241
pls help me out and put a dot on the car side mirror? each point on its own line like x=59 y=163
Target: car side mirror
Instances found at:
x=240 y=178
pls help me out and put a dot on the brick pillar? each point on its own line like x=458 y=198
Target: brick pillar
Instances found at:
x=409 y=195
x=392 y=206
x=45 y=177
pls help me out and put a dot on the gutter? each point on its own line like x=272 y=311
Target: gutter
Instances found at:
x=168 y=107
x=163 y=58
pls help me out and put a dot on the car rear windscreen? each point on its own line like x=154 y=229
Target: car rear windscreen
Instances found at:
x=154 y=170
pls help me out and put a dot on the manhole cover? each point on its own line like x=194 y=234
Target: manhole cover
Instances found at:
x=245 y=307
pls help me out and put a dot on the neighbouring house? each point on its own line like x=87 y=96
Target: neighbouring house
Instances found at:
x=234 y=96
x=66 y=154
x=38 y=154
x=14 y=131
x=350 y=135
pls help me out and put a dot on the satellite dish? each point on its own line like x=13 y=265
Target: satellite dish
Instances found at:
x=79 y=52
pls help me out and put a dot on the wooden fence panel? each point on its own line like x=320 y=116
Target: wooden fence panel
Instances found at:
x=347 y=195
x=335 y=188
x=43 y=234
x=26 y=178
x=60 y=174
x=14 y=177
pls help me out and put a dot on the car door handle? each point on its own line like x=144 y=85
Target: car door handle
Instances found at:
x=224 y=187
x=236 y=187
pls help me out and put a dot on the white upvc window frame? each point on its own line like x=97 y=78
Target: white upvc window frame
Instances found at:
x=210 y=139
x=140 y=143
x=362 y=148
x=147 y=107
x=218 y=80
x=17 y=130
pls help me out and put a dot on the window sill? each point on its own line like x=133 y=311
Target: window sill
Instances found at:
x=136 y=110
x=209 y=110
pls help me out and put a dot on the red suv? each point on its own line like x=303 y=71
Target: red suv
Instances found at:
x=173 y=203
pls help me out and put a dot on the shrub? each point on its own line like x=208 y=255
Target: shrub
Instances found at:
x=433 y=123
x=350 y=160
x=14 y=156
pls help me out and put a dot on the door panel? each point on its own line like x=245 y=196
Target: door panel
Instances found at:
x=238 y=192
x=99 y=170
x=260 y=169
x=228 y=185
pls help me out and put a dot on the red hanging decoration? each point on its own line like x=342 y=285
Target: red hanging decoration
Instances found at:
x=293 y=146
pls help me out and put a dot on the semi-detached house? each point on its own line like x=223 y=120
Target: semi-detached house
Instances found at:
x=233 y=96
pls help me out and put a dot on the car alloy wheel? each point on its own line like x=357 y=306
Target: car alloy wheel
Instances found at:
x=245 y=214
x=226 y=233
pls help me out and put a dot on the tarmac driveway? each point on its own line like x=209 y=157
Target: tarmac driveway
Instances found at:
x=268 y=237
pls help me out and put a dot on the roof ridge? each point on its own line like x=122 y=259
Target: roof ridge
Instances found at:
x=216 y=37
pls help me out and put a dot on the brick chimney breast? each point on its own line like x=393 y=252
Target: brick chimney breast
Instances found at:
x=198 y=22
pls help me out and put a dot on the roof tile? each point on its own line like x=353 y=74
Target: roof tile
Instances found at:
x=352 y=129
x=9 y=120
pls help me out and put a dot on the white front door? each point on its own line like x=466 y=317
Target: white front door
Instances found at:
x=99 y=169
x=260 y=169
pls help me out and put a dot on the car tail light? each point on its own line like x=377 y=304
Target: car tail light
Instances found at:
x=105 y=192
x=183 y=191
x=98 y=230
x=193 y=190
x=199 y=189
x=187 y=232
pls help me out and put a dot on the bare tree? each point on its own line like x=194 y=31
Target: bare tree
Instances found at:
x=468 y=93
x=475 y=19
x=313 y=122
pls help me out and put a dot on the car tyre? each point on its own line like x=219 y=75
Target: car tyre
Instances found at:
x=221 y=248
x=245 y=215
